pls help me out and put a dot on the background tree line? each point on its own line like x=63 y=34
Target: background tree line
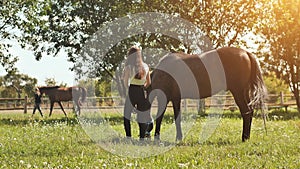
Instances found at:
x=47 y=27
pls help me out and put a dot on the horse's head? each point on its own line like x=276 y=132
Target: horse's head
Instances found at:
x=41 y=89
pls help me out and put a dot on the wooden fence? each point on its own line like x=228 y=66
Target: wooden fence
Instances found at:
x=224 y=101
x=14 y=104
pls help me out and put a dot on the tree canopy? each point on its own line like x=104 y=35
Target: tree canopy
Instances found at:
x=8 y=17
x=282 y=37
x=18 y=85
x=49 y=26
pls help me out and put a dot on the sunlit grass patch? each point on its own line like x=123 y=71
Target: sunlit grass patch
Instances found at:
x=59 y=142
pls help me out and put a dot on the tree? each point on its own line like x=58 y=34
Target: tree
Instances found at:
x=14 y=84
x=50 y=82
x=224 y=22
x=281 y=31
x=8 y=18
x=55 y=25
x=275 y=86
x=48 y=27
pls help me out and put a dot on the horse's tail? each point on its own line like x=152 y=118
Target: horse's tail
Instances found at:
x=258 y=91
x=83 y=94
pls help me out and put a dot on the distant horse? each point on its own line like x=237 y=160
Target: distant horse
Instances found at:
x=180 y=75
x=58 y=94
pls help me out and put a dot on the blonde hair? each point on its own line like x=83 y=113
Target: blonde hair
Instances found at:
x=135 y=61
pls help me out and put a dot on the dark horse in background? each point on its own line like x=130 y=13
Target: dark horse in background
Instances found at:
x=180 y=75
x=59 y=94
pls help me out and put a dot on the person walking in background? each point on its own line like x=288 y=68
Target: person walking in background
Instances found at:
x=37 y=101
x=136 y=78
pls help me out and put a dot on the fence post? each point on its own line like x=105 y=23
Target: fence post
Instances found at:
x=201 y=106
x=184 y=105
x=281 y=98
x=25 y=104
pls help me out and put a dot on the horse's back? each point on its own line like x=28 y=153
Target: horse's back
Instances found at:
x=179 y=75
x=199 y=76
x=237 y=65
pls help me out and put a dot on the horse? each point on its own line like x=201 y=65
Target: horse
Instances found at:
x=58 y=94
x=179 y=75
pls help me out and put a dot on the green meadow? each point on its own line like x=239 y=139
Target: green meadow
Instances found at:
x=59 y=142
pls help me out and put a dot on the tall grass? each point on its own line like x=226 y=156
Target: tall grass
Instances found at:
x=58 y=142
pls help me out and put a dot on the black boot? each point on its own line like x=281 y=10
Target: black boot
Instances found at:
x=149 y=129
x=143 y=127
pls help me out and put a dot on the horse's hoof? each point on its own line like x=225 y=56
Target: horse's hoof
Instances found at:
x=179 y=139
x=245 y=139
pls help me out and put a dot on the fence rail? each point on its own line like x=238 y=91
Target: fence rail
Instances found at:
x=225 y=101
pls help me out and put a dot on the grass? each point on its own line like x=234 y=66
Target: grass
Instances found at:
x=58 y=142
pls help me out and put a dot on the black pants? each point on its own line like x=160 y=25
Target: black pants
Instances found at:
x=136 y=101
x=37 y=106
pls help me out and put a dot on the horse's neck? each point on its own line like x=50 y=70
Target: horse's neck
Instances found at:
x=45 y=92
x=48 y=91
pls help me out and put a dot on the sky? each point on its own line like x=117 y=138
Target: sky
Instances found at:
x=48 y=67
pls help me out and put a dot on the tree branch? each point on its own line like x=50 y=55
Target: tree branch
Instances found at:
x=4 y=24
x=234 y=38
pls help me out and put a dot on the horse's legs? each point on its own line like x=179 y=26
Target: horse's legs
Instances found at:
x=78 y=104
x=78 y=108
x=62 y=108
x=177 y=116
x=242 y=100
x=162 y=105
x=51 y=108
x=159 y=118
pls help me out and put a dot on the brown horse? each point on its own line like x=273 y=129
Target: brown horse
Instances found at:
x=181 y=75
x=58 y=94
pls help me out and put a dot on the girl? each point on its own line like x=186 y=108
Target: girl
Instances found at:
x=37 y=101
x=137 y=77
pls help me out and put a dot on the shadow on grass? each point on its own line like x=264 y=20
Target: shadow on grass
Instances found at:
x=217 y=143
x=41 y=121
x=281 y=114
x=276 y=114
